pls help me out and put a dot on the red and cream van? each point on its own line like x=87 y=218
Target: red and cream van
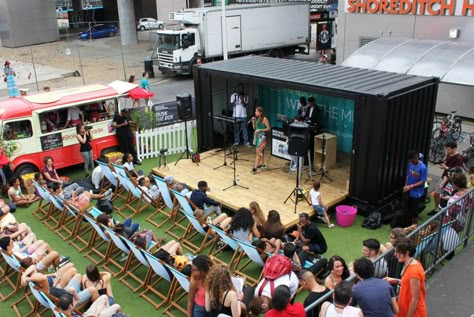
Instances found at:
x=35 y=124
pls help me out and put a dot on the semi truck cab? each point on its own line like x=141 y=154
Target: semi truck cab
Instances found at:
x=177 y=50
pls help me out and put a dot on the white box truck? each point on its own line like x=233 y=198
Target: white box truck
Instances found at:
x=275 y=28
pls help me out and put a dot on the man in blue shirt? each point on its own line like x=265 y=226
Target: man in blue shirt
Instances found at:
x=200 y=199
x=145 y=84
x=374 y=296
x=417 y=174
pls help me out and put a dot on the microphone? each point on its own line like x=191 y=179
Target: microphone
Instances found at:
x=251 y=120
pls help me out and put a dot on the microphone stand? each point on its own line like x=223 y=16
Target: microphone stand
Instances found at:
x=323 y=171
x=234 y=183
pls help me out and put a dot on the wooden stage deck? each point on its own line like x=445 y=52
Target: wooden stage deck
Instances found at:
x=269 y=188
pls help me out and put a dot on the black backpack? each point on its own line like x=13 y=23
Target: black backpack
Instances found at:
x=373 y=221
x=105 y=206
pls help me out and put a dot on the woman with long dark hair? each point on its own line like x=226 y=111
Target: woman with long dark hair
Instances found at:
x=243 y=226
x=201 y=265
x=85 y=137
x=221 y=297
x=339 y=271
x=257 y=215
x=273 y=228
x=99 y=280
x=281 y=305
x=261 y=125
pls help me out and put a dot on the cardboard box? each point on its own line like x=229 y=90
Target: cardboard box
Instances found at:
x=27 y=183
x=114 y=157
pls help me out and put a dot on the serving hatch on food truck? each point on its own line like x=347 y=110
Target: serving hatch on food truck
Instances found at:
x=36 y=124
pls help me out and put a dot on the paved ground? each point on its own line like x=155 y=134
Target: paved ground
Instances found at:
x=450 y=291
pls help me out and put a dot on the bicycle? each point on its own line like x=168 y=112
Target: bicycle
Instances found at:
x=450 y=129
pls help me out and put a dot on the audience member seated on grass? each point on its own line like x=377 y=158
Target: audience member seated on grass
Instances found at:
x=78 y=197
x=42 y=256
x=316 y=291
x=151 y=190
x=126 y=228
x=49 y=172
x=15 y=195
x=222 y=221
x=101 y=281
x=317 y=203
x=257 y=215
x=99 y=308
x=127 y=162
x=221 y=297
x=374 y=296
x=273 y=228
x=4 y=209
x=370 y=249
x=243 y=226
x=201 y=201
x=310 y=239
x=65 y=281
x=200 y=267
x=339 y=272
x=340 y=307
x=281 y=306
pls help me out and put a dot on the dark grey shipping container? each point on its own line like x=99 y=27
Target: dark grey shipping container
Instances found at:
x=392 y=113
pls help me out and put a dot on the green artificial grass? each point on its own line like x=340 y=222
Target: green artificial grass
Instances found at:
x=346 y=242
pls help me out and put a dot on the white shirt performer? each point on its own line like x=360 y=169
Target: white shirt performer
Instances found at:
x=239 y=104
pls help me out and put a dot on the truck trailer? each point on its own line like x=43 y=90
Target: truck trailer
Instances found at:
x=277 y=29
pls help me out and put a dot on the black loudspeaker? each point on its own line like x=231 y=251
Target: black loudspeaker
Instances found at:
x=298 y=139
x=184 y=106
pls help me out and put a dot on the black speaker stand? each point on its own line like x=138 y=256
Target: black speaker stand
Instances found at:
x=323 y=171
x=226 y=142
x=186 y=152
x=234 y=147
x=234 y=183
x=297 y=190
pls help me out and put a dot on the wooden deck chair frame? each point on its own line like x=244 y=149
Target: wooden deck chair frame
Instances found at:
x=96 y=240
x=116 y=247
x=53 y=306
x=142 y=261
x=167 y=201
x=68 y=218
x=156 y=268
x=44 y=205
x=143 y=197
x=78 y=229
x=40 y=305
x=108 y=172
x=55 y=213
x=224 y=236
x=253 y=257
x=194 y=227
x=179 y=289
x=11 y=275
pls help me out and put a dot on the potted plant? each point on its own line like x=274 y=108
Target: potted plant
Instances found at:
x=142 y=119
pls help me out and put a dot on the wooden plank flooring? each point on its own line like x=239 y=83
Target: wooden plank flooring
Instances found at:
x=269 y=188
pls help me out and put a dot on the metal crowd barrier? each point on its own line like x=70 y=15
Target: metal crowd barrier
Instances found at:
x=437 y=240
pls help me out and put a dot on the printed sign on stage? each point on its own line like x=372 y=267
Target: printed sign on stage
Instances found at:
x=279 y=143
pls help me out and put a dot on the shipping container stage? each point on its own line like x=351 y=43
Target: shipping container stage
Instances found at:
x=269 y=188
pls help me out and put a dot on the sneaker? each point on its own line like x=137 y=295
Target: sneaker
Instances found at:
x=262 y=167
x=331 y=225
x=253 y=171
x=293 y=168
x=63 y=260
x=248 y=144
x=108 y=194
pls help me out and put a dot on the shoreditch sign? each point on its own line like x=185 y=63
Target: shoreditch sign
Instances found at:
x=413 y=7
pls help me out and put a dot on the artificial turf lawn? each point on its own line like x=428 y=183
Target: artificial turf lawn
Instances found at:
x=346 y=242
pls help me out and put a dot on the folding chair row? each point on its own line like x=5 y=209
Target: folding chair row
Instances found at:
x=169 y=203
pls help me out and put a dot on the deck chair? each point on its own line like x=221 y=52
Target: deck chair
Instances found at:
x=254 y=257
x=135 y=195
x=179 y=290
x=112 y=178
x=96 y=240
x=54 y=213
x=170 y=214
x=39 y=305
x=194 y=227
x=142 y=261
x=67 y=220
x=56 y=311
x=73 y=227
x=157 y=267
x=11 y=276
x=116 y=247
x=229 y=241
x=41 y=212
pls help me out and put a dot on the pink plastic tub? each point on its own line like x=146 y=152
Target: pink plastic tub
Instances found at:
x=345 y=215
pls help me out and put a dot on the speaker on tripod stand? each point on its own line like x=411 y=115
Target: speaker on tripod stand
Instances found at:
x=184 y=108
x=298 y=139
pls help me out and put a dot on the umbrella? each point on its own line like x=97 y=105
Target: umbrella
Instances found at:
x=140 y=93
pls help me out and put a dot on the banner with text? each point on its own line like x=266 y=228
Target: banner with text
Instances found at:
x=337 y=114
x=412 y=7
